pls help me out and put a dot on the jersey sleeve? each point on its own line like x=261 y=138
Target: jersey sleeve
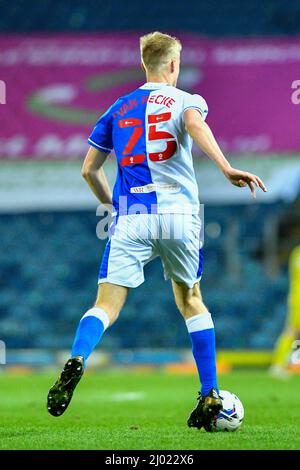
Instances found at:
x=195 y=102
x=101 y=136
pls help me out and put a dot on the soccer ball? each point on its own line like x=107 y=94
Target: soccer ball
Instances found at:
x=232 y=415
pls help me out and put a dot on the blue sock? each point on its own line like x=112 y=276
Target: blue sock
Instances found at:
x=89 y=332
x=202 y=334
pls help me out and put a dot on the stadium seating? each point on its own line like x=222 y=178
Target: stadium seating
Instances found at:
x=255 y=18
x=50 y=260
x=50 y=263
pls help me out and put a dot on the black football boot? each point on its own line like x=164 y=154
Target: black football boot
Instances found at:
x=207 y=408
x=60 y=394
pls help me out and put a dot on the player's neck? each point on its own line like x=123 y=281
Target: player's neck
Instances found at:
x=160 y=79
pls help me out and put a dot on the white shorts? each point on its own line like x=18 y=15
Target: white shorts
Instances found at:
x=139 y=238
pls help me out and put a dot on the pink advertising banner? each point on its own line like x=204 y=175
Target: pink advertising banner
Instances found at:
x=55 y=87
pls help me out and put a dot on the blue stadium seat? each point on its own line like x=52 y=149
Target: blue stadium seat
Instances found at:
x=50 y=264
x=254 y=18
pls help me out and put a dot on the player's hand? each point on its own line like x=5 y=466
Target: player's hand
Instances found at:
x=243 y=178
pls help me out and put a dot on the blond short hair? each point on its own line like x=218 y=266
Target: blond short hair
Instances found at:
x=157 y=49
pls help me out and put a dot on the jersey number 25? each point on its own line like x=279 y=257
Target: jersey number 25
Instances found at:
x=153 y=134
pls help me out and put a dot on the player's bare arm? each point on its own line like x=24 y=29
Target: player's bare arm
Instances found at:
x=202 y=135
x=93 y=173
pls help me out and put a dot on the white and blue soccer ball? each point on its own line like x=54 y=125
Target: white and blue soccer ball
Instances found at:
x=232 y=415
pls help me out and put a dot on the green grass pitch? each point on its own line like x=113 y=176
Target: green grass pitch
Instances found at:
x=133 y=410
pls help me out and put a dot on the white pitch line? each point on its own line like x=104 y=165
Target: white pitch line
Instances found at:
x=127 y=396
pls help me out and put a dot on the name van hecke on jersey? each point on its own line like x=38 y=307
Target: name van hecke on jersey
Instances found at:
x=158 y=99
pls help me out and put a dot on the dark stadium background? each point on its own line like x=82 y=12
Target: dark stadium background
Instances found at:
x=50 y=254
